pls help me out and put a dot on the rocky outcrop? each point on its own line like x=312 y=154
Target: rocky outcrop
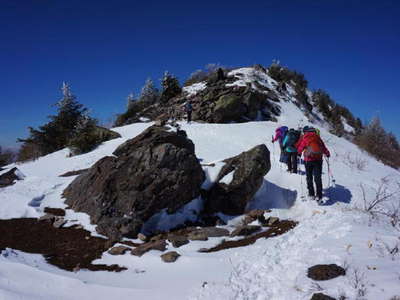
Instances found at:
x=248 y=170
x=10 y=177
x=218 y=102
x=156 y=170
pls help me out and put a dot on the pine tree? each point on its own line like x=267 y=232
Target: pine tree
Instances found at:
x=149 y=93
x=170 y=87
x=130 y=100
x=57 y=133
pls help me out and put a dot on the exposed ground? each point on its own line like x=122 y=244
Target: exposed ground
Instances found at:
x=68 y=248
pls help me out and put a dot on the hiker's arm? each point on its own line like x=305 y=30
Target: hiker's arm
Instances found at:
x=300 y=146
x=325 y=150
x=276 y=137
x=285 y=141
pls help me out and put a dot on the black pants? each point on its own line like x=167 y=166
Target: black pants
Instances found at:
x=314 y=170
x=189 y=116
x=292 y=161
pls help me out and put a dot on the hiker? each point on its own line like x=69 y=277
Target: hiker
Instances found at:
x=314 y=149
x=188 y=110
x=289 y=146
x=280 y=134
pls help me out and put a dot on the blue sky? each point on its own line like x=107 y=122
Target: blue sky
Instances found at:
x=107 y=49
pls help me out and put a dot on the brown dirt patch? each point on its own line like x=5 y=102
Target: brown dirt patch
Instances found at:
x=278 y=228
x=68 y=248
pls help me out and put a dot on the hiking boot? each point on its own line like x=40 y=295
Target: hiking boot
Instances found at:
x=319 y=200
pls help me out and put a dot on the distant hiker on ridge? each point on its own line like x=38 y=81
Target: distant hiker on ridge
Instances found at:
x=280 y=134
x=188 y=108
x=314 y=149
x=289 y=146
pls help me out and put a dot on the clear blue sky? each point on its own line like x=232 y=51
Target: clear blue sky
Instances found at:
x=106 y=49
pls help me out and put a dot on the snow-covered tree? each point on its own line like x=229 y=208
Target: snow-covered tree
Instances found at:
x=170 y=85
x=149 y=93
x=62 y=127
x=130 y=100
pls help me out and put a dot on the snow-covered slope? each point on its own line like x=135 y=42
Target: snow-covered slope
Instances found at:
x=338 y=232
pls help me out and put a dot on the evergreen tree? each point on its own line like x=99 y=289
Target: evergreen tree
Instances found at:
x=149 y=93
x=170 y=87
x=130 y=100
x=57 y=133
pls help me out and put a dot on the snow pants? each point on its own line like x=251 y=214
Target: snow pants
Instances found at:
x=314 y=173
x=189 y=116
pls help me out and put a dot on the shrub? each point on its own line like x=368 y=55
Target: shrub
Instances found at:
x=28 y=151
x=6 y=157
x=380 y=144
x=85 y=138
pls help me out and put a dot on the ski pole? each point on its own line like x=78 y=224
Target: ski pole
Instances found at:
x=330 y=175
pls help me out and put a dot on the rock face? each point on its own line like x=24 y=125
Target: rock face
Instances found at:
x=325 y=272
x=154 y=171
x=218 y=102
x=10 y=177
x=249 y=169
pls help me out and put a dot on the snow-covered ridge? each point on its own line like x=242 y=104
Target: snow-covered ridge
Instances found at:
x=339 y=232
x=193 y=89
x=248 y=76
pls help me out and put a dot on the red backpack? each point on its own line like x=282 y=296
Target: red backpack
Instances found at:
x=314 y=148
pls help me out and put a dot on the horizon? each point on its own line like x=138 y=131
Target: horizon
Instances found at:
x=106 y=51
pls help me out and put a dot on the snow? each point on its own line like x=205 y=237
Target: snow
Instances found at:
x=193 y=89
x=338 y=232
x=247 y=76
x=346 y=126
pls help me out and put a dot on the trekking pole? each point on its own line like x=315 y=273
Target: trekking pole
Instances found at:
x=330 y=175
x=273 y=148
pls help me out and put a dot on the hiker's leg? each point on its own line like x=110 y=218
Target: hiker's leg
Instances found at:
x=309 y=176
x=294 y=162
x=289 y=161
x=318 y=177
x=189 y=116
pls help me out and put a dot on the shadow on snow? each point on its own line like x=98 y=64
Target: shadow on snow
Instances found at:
x=338 y=193
x=272 y=196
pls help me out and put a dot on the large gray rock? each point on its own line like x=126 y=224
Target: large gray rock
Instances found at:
x=154 y=171
x=249 y=169
x=9 y=178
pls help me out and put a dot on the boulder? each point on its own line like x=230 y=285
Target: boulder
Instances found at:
x=160 y=245
x=321 y=296
x=177 y=240
x=245 y=230
x=55 y=211
x=325 y=272
x=170 y=256
x=105 y=134
x=154 y=171
x=118 y=250
x=249 y=169
x=271 y=221
x=9 y=178
x=197 y=235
